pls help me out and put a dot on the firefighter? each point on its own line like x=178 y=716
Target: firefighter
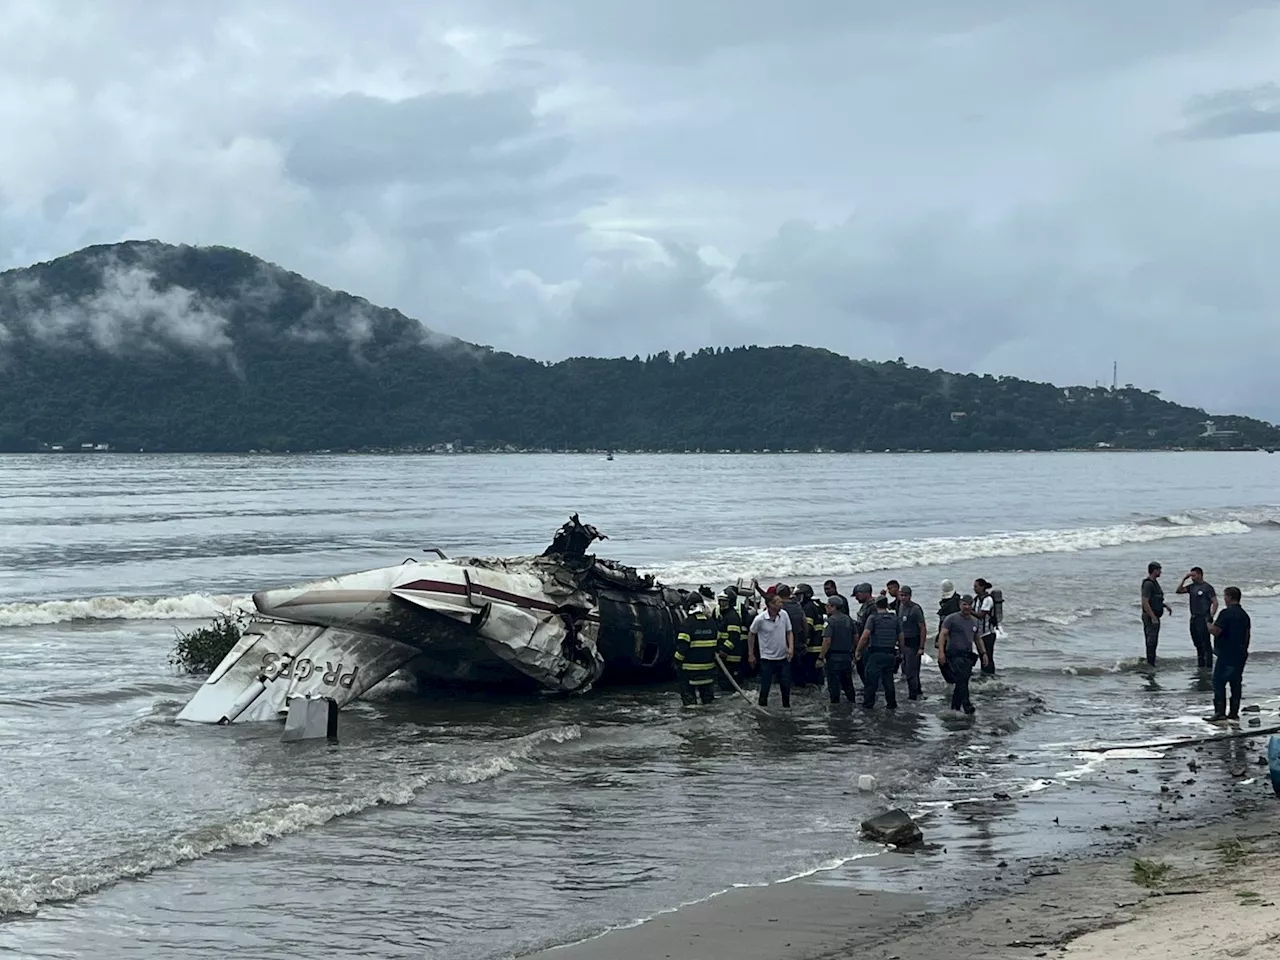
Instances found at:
x=809 y=672
x=696 y=653
x=733 y=641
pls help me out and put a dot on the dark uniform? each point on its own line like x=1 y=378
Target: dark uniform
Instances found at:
x=800 y=632
x=860 y=620
x=880 y=657
x=1200 y=598
x=696 y=646
x=1153 y=593
x=733 y=644
x=915 y=633
x=809 y=672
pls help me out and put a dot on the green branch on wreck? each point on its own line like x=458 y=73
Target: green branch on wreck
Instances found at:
x=202 y=649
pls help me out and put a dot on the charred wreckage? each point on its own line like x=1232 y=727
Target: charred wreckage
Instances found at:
x=564 y=620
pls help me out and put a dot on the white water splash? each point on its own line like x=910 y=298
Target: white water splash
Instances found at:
x=24 y=892
x=191 y=606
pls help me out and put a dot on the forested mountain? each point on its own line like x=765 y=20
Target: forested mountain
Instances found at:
x=144 y=345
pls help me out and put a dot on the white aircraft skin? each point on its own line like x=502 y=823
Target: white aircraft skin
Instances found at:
x=472 y=619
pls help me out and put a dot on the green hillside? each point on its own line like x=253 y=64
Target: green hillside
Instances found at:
x=143 y=345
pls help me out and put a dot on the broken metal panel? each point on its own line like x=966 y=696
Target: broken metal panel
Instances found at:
x=561 y=620
x=295 y=660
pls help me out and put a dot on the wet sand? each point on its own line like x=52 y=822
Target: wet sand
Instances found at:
x=798 y=918
x=1210 y=891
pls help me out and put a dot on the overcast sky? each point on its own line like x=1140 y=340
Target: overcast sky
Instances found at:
x=1026 y=187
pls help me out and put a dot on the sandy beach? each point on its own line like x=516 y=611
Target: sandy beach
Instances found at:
x=1174 y=891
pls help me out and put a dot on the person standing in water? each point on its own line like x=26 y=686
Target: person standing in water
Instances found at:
x=696 y=646
x=1232 y=634
x=880 y=647
x=947 y=605
x=959 y=635
x=984 y=606
x=829 y=588
x=1153 y=608
x=1202 y=600
x=772 y=642
x=914 y=631
x=837 y=652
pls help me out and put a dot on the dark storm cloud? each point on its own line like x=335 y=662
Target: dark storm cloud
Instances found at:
x=999 y=185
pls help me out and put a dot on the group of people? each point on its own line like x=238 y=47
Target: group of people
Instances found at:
x=783 y=636
x=1224 y=632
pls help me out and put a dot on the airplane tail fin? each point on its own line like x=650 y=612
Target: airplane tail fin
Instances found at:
x=275 y=661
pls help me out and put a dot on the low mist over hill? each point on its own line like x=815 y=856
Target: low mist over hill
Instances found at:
x=144 y=345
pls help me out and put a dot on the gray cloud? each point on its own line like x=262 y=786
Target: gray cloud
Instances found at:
x=1234 y=113
x=129 y=312
x=986 y=186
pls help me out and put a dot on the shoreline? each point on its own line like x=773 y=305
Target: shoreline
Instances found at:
x=619 y=453
x=1091 y=905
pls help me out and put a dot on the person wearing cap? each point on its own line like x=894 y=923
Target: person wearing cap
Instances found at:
x=733 y=641
x=836 y=652
x=772 y=638
x=864 y=597
x=831 y=590
x=1153 y=608
x=696 y=646
x=914 y=630
x=880 y=648
x=959 y=634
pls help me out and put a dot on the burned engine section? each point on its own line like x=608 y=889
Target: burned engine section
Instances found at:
x=637 y=636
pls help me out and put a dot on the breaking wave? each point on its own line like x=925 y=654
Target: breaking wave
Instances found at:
x=23 y=894
x=844 y=559
x=191 y=606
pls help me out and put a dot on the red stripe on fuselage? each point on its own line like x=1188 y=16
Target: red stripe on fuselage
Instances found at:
x=493 y=593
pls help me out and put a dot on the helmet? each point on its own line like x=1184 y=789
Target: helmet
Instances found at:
x=692 y=600
x=804 y=590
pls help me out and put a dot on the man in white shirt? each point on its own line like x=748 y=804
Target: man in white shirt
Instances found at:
x=772 y=637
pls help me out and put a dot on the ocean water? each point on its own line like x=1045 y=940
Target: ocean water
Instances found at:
x=478 y=826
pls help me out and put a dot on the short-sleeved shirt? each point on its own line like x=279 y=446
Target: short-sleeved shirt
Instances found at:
x=839 y=630
x=1153 y=593
x=982 y=610
x=961 y=632
x=1200 y=598
x=772 y=634
x=911 y=616
x=1233 y=642
x=884 y=628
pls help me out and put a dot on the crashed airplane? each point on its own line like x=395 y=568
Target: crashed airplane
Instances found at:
x=562 y=621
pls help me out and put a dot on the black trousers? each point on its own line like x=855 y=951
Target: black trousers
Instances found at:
x=911 y=671
x=1228 y=673
x=1151 y=635
x=879 y=673
x=961 y=665
x=989 y=644
x=771 y=670
x=691 y=693
x=840 y=678
x=1203 y=642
